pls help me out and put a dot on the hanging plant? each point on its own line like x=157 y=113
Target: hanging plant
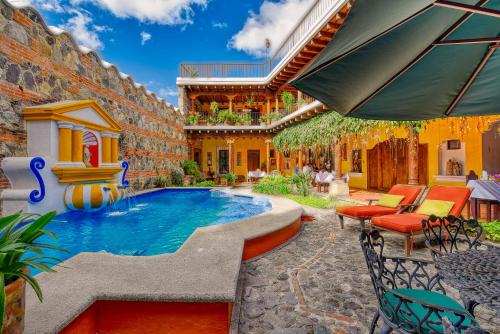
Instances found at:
x=287 y=98
x=214 y=107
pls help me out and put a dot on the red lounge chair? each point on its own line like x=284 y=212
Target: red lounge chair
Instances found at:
x=409 y=224
x=366 y=212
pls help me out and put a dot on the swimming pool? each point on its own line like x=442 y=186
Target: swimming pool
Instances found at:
x=149 y=224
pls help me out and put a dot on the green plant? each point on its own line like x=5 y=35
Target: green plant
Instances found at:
x=199 y=176
x=204 y=184
x=164 y=181
x=227 y=116
x=18 y=236
x=492 y=230
x=263 y=119
x=273 y=185
x=274 y=116
x=190 y=167
x=211 y=120
x=287 y=98
x=230 y=178
x=250 y=100
x=192 y=119
x=301 y=183
x=246 y=119
x=214 y=107
x=177 y=177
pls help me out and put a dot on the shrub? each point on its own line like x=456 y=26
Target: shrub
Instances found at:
x=164 y=181
x=192 y=119
x=204 y=184
x=301 y=183
x=230 y=178
x=199 y=176
x=274 y=185
x=177 y=177
x=492 y=230
x=190 y=167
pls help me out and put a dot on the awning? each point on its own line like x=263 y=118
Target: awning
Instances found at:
x=411 y=60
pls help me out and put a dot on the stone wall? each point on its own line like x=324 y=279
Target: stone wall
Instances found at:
x=39 y=66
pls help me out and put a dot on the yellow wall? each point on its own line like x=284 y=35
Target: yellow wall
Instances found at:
x=469 y=131
x=242 y=144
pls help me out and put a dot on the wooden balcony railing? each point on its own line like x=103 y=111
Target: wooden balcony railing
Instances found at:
x=221 y=70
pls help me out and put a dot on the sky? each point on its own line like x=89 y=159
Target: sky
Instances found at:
x=148 y=39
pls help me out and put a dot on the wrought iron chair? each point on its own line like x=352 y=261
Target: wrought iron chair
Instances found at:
x=410 y=299
x=451 y=234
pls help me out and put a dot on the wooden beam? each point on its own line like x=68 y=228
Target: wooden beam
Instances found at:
x=468 y=8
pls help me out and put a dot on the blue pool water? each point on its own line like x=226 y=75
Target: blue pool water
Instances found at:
x=148 y=224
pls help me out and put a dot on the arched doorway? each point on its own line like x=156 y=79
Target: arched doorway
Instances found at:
x=388 y=164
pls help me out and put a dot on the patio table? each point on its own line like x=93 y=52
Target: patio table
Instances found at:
x=475 y=273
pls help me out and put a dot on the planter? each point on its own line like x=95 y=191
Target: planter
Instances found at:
x=13 y=319
x=188 y=179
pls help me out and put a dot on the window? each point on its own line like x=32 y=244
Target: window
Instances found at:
x=222 y=161
x=238 y=159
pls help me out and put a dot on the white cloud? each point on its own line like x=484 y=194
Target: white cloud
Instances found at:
x=219 y=25
x=169 y=12
x=81 y=27
x=274 y=21
x=48 y=5
x=167 y=91
x=145 y=36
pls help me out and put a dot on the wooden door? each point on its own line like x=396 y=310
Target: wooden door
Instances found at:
x=253 y=160
x=388 y=164
x=372 y=170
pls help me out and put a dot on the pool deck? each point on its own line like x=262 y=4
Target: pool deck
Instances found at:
x=206 y=268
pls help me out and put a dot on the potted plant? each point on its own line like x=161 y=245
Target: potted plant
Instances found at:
x=263 y=119
x=211 y=121
x=250 y=101
x=192 y=119
x=227 y=117
x=287 y=98
x=190 y=168
x=230 y=179
x=19 y=235
x=246 y=119
x=164 y=181
x=214 y=107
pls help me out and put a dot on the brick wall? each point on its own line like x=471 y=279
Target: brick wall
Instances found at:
x=37 y=67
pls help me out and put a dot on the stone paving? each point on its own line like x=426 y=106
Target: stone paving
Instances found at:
x=318 y=283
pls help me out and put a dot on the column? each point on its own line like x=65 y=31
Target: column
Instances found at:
x=412 y=156
x=301 y=163
x=114 y=148
x=230 y=98
x=338 y=160
x=77 y=144
x=278 y=160
x=268 y=151
x=276 y=103
x=268 y=105
x=230 y=143
x=193 y=105
x=106 y=147
x=65 y=141
x=299 y=95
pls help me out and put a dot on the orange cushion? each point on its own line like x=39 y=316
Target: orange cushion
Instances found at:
x=404 y=223
x=365 y=210
x=458 y=195
x=409 y=192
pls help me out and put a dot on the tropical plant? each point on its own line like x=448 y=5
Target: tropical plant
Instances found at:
x=230 y=178
x=177 y=176
x=204 y=184
x=214 y=107
x=192 y=119
x=18 y=237
x=301 y=183
x=287 y=98
x=250 y=100
x=246 y=119
x=211 y=120
x=190 y=167
x=274 y=185
x=164 y=181
x=227 y=116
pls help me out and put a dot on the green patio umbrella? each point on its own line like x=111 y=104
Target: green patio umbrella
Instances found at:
x=411 y=60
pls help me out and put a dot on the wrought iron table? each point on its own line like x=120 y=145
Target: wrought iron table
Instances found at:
x=475 y=273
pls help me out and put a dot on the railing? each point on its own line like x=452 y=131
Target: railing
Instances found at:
x=221 y=70
x=319 y=12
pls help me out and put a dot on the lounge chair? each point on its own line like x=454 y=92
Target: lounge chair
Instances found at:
x=409 y=224
x=363 y=213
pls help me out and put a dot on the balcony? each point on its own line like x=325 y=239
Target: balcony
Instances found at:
x=323 y=18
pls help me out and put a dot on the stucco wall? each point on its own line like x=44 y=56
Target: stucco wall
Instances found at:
x=38 y=66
